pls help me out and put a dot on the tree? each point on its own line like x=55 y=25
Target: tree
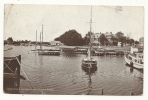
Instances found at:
x=57 y=39
x=136 y=42
x=71 y=38
x=123 y=40
x=131 y=41
x=115 y=41
x=10 y=40
x=128 y=40
x=102 y=39
x=120 y=36
x=5 y=42
x=22 y=41
x=26 y=41
x=87 y=38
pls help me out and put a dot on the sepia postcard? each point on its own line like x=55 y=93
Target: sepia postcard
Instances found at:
x=73 y=49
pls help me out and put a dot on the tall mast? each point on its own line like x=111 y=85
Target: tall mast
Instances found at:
x=36 y=40
x=40 y=41
x=36 y=36
x=90 y=34
x=91 y=20
x=42 y=33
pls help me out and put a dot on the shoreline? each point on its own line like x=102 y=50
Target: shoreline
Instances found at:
x=124 y=48
x=96 y=47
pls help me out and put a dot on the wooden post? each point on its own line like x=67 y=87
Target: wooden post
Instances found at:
x=18 y=68
x=102 y=92
x=36 y=41
x=18 y=71
x=131 y=93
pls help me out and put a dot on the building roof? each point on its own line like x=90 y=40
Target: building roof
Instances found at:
x=97 y=35
x=108 y=33
x=55 y=41
x=141 y=39
x=109 y=36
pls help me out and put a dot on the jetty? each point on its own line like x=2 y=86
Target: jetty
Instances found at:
x=11 y=74
x=105 y=50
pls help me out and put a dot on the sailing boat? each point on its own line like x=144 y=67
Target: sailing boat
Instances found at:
x=47 y=51
x=36 y=50
x=89 y=62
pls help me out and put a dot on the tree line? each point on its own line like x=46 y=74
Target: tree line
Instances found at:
x=18 y=42
x=73 y=38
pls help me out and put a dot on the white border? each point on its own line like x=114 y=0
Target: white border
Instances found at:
x=75 y=2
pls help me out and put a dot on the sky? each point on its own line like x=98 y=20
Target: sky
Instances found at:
x=21 y=21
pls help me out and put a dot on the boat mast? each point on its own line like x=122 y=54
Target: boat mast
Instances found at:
x=42 y=33
x=36 y=41
x=90 y=35
x=41 y=39
x=40 y=42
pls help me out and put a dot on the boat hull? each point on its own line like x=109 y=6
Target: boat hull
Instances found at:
x=89 y=64
x=89 y=70
x=98 y=54
x=133 y=64
x=111 y=53
x=49 y=53
x=80 y=52
x=83 y=51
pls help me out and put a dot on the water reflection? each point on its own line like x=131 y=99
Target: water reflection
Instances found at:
x=69 y=53
x=41 y=71
x=138 y=73
x=89 y=85
x=131 y=70
x=89 y=72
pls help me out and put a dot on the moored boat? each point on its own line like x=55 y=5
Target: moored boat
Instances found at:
x=52 y=51
x=110 y=52
x=49 y=52
x=80 y=51
x=98 y=53
x=89 y=71
x=134 y=58
x=89 y=62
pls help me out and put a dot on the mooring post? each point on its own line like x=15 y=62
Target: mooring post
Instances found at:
x=18 y=67
x=102 y=92
x=131 y=93
x=19 y=58
x=18 y=70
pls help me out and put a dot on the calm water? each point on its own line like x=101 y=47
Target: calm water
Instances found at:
x=64 y=75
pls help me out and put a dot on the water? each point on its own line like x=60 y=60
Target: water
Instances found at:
x=64 y=75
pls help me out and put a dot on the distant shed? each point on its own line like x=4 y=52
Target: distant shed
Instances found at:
x=56 y=43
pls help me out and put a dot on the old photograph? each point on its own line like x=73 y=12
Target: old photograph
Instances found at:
x=73 y=49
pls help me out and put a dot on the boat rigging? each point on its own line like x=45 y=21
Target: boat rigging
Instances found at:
x=89 y=62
